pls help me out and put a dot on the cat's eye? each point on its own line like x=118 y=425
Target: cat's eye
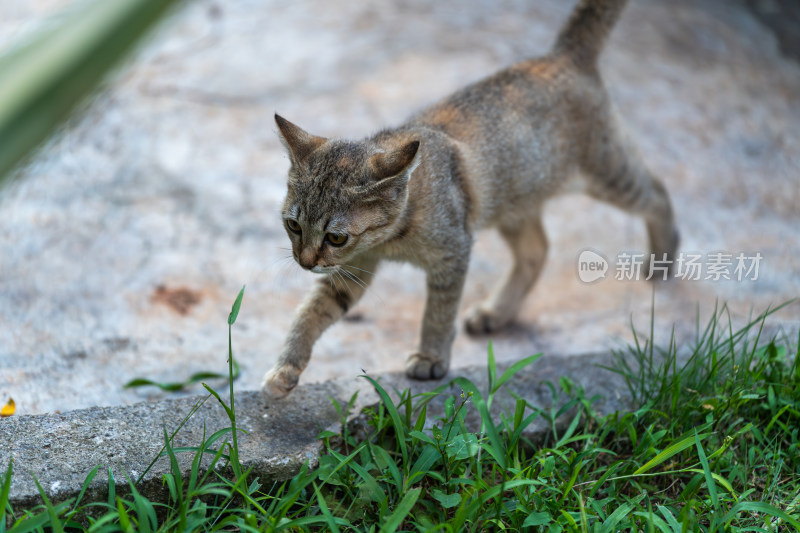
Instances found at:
x=336 y=239
x=293 y=225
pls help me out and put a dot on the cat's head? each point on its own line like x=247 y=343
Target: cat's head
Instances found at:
x=343 y=197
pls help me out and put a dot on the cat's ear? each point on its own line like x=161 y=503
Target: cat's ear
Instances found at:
x=298 y=142
x=391 y=171
x=392 y=163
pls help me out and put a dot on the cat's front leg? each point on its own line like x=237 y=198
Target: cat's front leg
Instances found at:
x=328 y=301
x=432 y=358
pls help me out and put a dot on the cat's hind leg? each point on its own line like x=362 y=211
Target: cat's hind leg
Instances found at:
x=618 y=176
x=528 y=244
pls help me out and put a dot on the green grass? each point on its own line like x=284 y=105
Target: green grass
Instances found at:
x=711 y=444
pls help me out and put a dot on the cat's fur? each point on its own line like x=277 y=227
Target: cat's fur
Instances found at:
x=487 y=156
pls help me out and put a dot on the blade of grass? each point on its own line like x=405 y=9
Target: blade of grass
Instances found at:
x=496 y=448
x=491 y=367
x=145 y=512
x=718 y=478
x=232 y=411
x=4 y=491
x=394 y=415
x=85 y=486
x=55 y=522
x=423 y=464
x=671 y=450
x=374 y=489
x=653 y=520
x=513 y=369
x=495 y=490
x=712 y=487
x=342 y=464
x=571 y=482
x=763 y=508
x=112 y=489
x=32 y=523
x=401 y=511
x=323 y=507
x=381 y=453
x=196 y=407
x=124 y=520
x=609 y=524
x=237 y=303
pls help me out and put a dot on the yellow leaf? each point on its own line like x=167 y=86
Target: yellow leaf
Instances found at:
x=8 y=409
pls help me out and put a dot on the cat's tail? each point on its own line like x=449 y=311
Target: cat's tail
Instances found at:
x=583 y=36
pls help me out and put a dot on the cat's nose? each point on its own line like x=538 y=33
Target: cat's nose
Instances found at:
x=307 y=259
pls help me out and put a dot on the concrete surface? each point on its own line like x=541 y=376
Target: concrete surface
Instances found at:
x=61 y=449
x=125 y=241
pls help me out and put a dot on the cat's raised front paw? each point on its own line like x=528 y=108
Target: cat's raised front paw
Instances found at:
x=279 y=382
x=480 y=321
x=423 y=366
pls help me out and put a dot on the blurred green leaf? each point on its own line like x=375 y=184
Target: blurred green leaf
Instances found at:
x=44 y=77
x=175 y=386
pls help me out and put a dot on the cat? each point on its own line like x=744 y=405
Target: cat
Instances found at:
x=487 y=156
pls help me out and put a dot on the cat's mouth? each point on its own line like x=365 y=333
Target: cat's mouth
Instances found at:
x=317 y=269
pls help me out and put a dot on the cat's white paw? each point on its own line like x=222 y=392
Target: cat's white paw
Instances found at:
x=423 y=366
x=480 y=321
x=279 y=382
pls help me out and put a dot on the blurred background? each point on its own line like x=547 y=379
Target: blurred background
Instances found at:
x=125 y=238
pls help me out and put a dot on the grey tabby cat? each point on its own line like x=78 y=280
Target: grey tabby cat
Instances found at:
x=487 y=156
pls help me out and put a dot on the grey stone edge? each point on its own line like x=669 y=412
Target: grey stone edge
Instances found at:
x=61 y=449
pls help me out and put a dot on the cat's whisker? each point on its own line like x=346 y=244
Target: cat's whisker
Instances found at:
x=332 y=281
x=361 y=283
x=278 y=267
x=257 y=271
x=281 y=261
x=361 y=269
x=356 y=276
x=358 y=281
x=283 y=267
x=338 y=273
x=344 y=272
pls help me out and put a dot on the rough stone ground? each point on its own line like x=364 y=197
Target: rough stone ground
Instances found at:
x=125 y=241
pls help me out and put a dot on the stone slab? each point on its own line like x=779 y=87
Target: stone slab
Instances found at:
x=61 y=449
